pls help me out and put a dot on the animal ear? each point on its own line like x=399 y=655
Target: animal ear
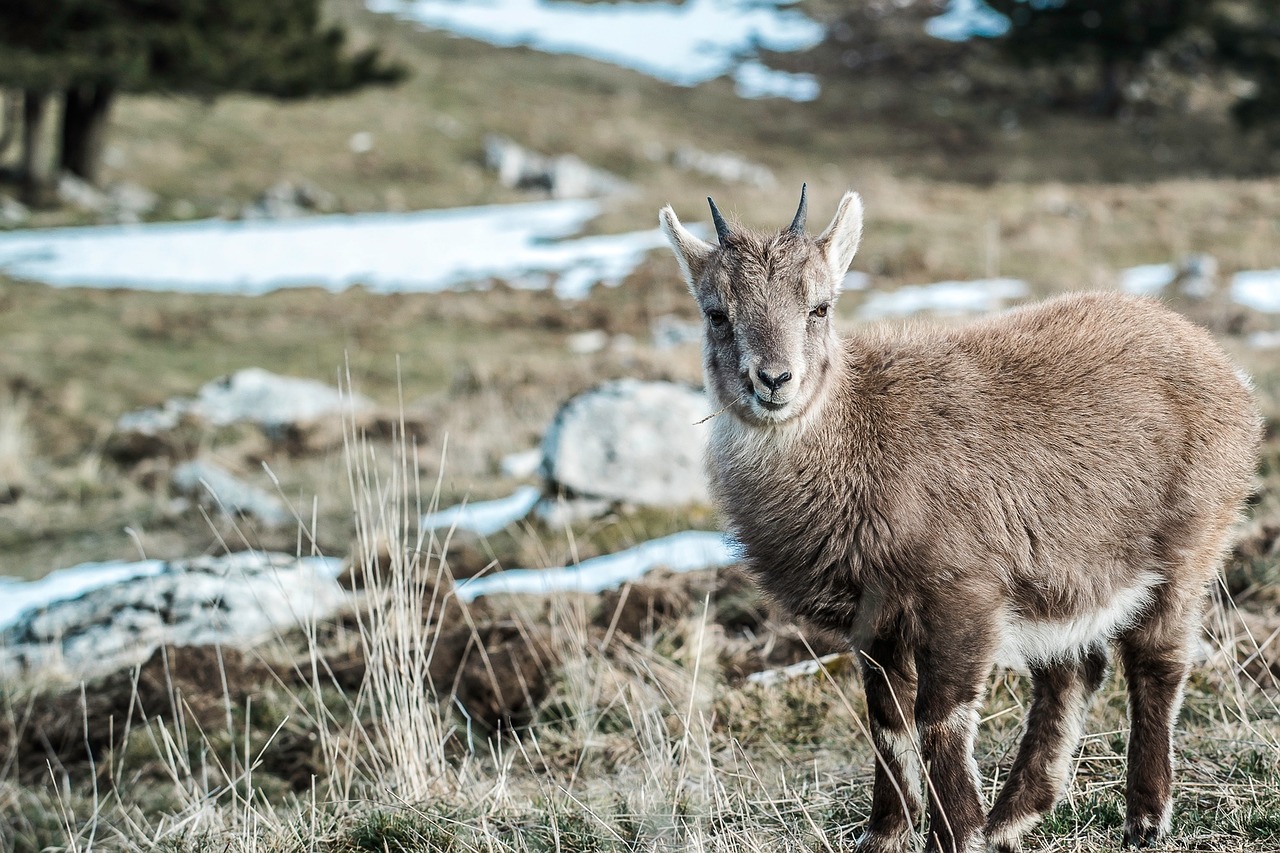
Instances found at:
x=839 y=243
x=691 y=253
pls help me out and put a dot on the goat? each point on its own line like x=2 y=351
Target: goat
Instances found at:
x=1027 y=489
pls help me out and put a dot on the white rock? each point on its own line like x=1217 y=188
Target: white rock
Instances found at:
x=723 y=166
x=585 y=343
x=238 y=599
x=13 y=213
x=270 y=400
x=562 y=177
x=631 y=441
x=78 y=193
x=128 y=202
x=559 y=513
x=361 y=142
x=522 y=464
x=218 y=488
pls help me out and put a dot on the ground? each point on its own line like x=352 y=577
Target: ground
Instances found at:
x=617 y=722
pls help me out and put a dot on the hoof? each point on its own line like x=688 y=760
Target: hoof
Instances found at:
x=873 y=842
x=1142 y=834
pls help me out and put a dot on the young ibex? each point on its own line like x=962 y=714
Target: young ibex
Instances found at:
x=1026 y=489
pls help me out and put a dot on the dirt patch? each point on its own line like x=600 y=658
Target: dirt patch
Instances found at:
x=68 y=729
x=638 y=610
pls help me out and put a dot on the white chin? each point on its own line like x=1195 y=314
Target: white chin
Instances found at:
x=775 y=413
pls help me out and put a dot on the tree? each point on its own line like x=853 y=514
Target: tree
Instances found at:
x=90 y=50
x=1246 y=34
x=1114 y=35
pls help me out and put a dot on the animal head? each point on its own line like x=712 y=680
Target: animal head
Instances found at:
x=766 y=302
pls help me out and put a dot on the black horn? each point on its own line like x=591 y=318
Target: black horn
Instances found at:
x=722 y=228
x=797 y=224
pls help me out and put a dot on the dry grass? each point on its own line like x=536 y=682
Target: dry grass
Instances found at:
x=539 y=725
x=637 y=743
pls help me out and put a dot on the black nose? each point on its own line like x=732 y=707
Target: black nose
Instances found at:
x=775 y=381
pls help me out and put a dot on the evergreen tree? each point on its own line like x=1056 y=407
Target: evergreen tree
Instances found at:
x=1247 y=36
x=1114 y=35
x=88 y=51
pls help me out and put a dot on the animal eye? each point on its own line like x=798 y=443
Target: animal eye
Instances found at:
x=821 y=310
x=717 y=318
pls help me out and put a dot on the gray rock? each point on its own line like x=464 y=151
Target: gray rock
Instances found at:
x=564 y=176
x=221 y=490
x=723 y=166
x=287 y=200
x=270 y=400
x=632 y=441
x=78 y=193
x=13 y=213
x=237 y=599
x=128 y=202
x=273 y=402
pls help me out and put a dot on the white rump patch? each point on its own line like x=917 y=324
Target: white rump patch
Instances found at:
x=1024 y=641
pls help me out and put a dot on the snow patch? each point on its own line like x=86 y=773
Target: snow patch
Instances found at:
x=1148 y=279
x=18 y=598
x=944 y=297
x=424 y=251
x=484 y=517
x=680 y=552
x=1257 y=289
x=683 y=43
x=966 y=19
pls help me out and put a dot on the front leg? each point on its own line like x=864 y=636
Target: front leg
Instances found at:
x=889 y=680
x=952 y=669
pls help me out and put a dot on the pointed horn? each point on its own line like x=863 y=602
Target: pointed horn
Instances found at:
x=797 y=224
x=722 y=228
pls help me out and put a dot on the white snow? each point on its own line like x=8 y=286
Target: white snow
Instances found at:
x=423 y=251
x=684 y=43
x=19 y=597
x=680 y=552
x=965 y=19
x=754 y=79
x=1148 y=279
x=484 y=517
x=260 y=396
x=770 y=677
x=1257 y=289
x=944 y=297
x=1264 y=340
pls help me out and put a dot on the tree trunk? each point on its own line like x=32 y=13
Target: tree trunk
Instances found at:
x=1109 y=98
x=11 y=107
x=84 y=129
x=37 y=163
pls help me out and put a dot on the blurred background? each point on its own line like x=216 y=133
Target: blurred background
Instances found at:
x=246 y=247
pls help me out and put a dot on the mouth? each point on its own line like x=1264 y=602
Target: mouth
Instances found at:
x=771 y=405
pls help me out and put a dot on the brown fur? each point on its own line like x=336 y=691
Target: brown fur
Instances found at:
x=1052 y=479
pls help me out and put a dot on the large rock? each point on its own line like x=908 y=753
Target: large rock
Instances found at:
x=632 y=441
x=237 y=599
x=219 y=489
x=252 y=395
x=564 y=176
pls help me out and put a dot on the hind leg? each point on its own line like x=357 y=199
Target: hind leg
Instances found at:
x=1060 y=697
x=1156 y=662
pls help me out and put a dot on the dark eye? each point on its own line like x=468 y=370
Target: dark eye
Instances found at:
x=719 y=319
x=821 y=310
